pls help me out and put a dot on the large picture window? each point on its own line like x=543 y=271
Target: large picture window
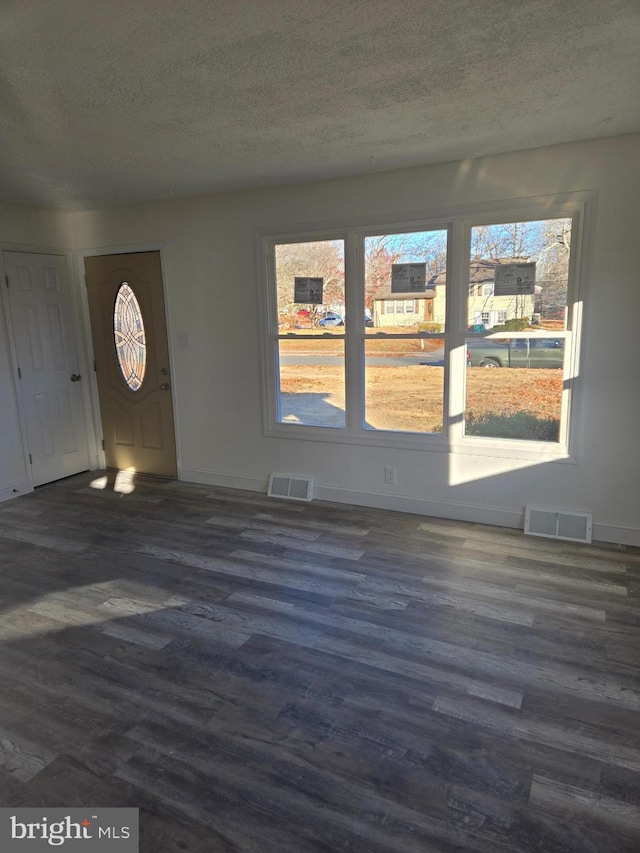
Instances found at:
x=452 y=334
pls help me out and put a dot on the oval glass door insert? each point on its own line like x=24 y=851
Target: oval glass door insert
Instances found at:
x=129 y=337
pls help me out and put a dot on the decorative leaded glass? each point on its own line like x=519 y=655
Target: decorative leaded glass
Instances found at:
x=129 y=337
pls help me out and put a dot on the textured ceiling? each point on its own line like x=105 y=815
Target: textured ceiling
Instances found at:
x=114 y=101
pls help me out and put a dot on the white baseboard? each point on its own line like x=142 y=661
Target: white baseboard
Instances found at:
x=420 y=506
x=14 y=490
x=438 y=509
x=232 y=481
x=500 y=516
x=618 y=533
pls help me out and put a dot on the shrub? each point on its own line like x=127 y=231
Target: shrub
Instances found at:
x=517 y=324
x=433 y=328
x=522 y=425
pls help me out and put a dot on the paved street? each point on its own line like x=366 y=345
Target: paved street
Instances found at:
x=432 y=359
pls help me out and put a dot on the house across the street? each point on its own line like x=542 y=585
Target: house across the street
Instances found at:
x=485 y=308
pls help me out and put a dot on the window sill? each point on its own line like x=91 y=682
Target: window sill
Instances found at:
x=431 y=443
x=539 y=451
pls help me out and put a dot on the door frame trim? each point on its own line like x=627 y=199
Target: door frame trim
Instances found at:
x=78 y=323
x=96 y=415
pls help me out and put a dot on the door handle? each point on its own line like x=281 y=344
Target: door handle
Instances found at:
x=164 y=386
x=75 y=377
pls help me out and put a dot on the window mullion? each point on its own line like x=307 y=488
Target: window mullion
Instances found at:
x=354 y=330
x=455 y=355
x=271 y=367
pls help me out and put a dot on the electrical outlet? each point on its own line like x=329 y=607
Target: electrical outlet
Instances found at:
x=390 y=474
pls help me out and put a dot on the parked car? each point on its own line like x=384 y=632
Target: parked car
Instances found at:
x=336 y=320
x=331 y=320
x=515 y=352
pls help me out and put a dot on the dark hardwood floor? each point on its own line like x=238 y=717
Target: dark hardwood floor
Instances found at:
x=257 y=675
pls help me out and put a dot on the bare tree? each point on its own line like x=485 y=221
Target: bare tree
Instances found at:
x=431 y=247
x=381 y=252
x=319 y=259
x=553 y=269
x=511 y=240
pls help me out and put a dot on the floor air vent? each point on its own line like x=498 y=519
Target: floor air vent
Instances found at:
x=291 y=488
x=558 y=523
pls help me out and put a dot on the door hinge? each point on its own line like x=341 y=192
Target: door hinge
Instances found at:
x=94 y=365
x=30 y=460
x=19 y=374
x=6 y=278
x=103 y=443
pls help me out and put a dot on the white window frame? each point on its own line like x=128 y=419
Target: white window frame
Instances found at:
x=579 y=206
x=399 y=306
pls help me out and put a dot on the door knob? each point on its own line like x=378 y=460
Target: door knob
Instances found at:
x=75 y=377
x=164 y=386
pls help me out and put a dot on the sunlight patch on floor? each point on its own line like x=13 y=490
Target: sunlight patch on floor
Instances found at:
x=116 y=603
x=123 y=483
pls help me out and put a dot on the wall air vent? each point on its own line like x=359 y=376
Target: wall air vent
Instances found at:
x=572 y=525
x=293 y=488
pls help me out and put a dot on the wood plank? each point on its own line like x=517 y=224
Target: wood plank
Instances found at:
x=581 y=803
x=561 y=737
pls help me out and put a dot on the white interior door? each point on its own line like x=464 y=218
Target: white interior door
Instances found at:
x=50 y=383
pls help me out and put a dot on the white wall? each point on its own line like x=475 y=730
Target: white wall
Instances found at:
x=211 y=280
x=26 y=229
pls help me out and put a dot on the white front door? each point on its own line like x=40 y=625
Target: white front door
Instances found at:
x=49 y=383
